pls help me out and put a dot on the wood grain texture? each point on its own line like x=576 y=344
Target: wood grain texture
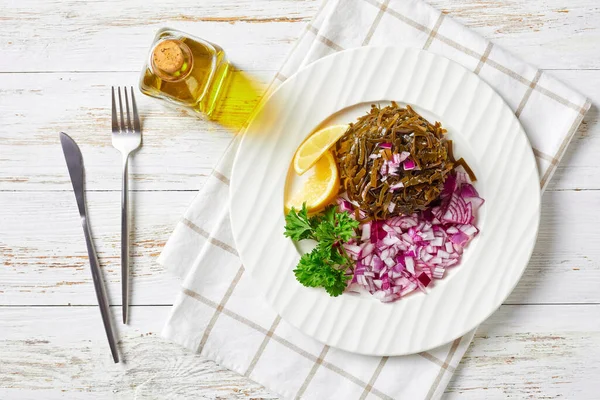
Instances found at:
x=579 y=169
x=532 y=352
x=179 y=148
x=115 y=36
x=549 y=33
x=59 y=59
x=42 y=359
x=43 y=256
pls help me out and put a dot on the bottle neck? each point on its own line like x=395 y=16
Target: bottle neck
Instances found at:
x=171 y=60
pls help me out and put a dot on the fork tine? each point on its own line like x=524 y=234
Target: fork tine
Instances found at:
x=121 y=108
x=129 y=127
x=115 y=123
x=136 y=117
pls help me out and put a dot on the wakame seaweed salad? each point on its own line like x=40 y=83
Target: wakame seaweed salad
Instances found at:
x=392 y=161
x=406 y=209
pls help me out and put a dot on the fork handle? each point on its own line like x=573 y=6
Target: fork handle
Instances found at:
x=125 y=241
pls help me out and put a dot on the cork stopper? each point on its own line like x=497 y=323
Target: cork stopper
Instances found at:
x=171 y=59
x=168 y=56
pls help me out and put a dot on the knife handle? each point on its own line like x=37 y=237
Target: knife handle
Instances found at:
x=100 y=291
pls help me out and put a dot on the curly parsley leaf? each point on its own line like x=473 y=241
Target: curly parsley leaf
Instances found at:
x=328 y=264
x=298 y=225
x=335 y=228
x=314 y=271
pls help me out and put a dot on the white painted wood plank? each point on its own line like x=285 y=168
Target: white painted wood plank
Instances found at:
x=179 y=148
x=520 y=352
x=44 y=260
x=533 y=352
x=554 y=34
x=580 y=167
x=43 y=253
x=41 y=243
x=62 y=353
x=564 y=267
x=114 y=36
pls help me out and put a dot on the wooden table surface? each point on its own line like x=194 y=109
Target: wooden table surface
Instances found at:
x=58 y=60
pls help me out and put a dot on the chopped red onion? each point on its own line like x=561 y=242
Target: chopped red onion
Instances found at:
x=384 y=169
x=405 y=253
x=366 y=250
x=396 y=186
x=410 y=264
x=366 y=232
x=344 y=205
x=449 y=247
x=352 y=250
x=409 y=164
x=424 y=279
x=391 y=207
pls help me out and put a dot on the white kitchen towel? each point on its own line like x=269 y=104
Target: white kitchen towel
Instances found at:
x=219 y=313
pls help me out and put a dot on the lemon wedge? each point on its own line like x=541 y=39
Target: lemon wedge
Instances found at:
x=320 y=189
x=315 y=146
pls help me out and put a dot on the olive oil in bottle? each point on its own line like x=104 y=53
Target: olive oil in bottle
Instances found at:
x=185 y=70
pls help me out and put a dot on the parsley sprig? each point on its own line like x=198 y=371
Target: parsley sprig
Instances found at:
x=327 y=265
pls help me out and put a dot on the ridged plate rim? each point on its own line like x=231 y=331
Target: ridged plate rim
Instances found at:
x=508 y=180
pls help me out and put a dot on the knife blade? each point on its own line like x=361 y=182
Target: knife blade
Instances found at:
x=74 y=161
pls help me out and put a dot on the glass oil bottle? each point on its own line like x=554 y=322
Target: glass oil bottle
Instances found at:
x=185 y=70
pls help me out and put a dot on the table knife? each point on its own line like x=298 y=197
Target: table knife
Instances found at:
x=74 y=161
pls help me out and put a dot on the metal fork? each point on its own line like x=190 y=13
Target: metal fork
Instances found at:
x=126 y=138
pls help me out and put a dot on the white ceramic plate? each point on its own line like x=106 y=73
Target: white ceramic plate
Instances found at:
x=485 y=131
